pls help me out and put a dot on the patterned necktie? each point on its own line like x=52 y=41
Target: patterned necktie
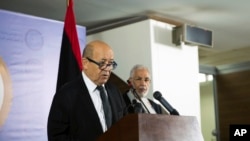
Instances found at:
x=106 y=106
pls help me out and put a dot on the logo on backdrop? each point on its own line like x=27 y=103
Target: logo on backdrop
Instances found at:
x=34 y=39
x=5 y=92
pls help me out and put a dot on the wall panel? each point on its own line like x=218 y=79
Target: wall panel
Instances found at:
x=233 y=100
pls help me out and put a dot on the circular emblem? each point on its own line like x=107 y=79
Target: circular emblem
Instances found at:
x=34 y=39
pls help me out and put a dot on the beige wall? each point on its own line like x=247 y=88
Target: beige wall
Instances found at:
x=207 y=110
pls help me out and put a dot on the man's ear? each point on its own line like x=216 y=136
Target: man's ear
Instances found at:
x=85 y=62
x=129 y=82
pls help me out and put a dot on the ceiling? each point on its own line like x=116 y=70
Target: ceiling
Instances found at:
x=227 y=19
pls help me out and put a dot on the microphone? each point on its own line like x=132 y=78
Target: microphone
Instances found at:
x=157 y=95
x=139 y=98
x=137 y=106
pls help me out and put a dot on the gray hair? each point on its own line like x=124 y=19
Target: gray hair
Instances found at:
x=136 y=67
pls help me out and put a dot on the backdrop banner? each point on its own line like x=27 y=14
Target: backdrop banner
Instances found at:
x=29 y=57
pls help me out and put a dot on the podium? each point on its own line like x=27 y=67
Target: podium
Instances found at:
x=154 y=127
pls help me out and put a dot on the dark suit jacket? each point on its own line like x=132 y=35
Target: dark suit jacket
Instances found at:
x=73 y=116
x=156 y=106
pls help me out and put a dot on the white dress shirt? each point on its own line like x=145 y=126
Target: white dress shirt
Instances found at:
x=96 y=99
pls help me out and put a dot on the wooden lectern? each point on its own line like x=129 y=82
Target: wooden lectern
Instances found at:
x=154 y=127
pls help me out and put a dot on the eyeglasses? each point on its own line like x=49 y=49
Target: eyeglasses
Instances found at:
x=103 y=65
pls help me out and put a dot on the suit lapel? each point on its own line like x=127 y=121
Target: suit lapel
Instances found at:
x=88 y=104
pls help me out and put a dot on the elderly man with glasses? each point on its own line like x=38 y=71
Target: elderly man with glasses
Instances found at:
x=86 y=107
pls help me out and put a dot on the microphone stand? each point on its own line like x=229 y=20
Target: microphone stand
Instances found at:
x=138 y=97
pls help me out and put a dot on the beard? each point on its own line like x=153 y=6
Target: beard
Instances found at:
x=143 y=94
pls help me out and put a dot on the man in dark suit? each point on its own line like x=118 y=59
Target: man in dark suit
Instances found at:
x=135 y=98
x=77 y=113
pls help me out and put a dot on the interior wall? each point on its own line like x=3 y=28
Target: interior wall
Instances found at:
x=174 y=68
x=233 y=100
x=208 y=123
x=131 y=45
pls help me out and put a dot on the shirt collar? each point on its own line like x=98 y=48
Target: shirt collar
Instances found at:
x=90 y=84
